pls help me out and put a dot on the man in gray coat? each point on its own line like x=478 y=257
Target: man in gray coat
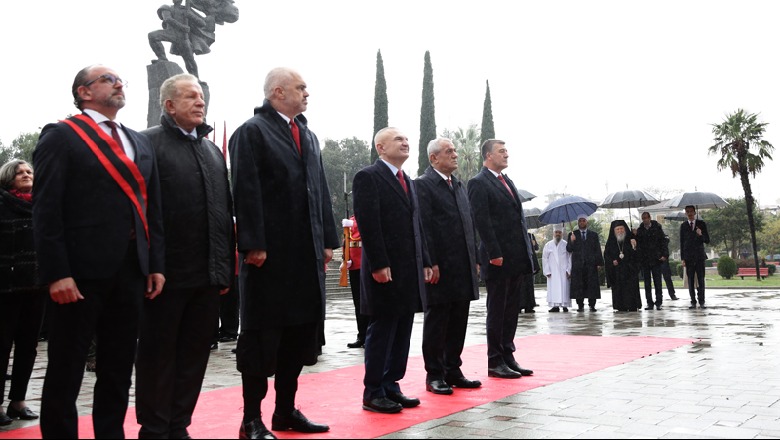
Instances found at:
x=451 y=238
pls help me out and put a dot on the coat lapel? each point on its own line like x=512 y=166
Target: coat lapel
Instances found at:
x=386 y=174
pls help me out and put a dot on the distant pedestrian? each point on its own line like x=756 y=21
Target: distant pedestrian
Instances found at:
x=586 y=260
x=22 y=299
x=621 y=260
x=693 y=237
x=556 y=263
x=653 y=252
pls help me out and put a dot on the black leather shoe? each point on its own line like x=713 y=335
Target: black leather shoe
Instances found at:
x=462 y=382
x=658 y=307
x=592 y=309
x=530 y=311
x=227 y=338
x=5 y=420
x=554 y=310
x=23 y=414
x=382 y=405
x=297 y=422
x=504 y=372
x=254 y=430
x=438 y=387
x=702 y=306
x=581 y=309
x=357 y=344
x=406 y=402
x=565 y=310
x=512 y=364
x=649 y=308
x=673 y=297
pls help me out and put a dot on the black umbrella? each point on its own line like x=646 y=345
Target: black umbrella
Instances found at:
x=698 y=199
x=628 y=199
x=525 y=195
x=532 y=218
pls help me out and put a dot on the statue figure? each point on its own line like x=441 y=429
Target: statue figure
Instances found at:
x=189 y=32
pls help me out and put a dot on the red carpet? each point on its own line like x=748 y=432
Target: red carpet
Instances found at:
x=335 y=397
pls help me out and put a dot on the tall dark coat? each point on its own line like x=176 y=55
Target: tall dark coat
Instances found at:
x=501 y=226
x=450 y=236
x=392 y=233
x=18 y=266
x=82 y=218
x=197 y=208
x=691 y=245
x=283 y=206
x=586 y=257
x=623 y=278
x=652 y=244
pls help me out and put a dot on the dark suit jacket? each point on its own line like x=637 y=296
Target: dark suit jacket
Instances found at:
x=282 y=206
x=691 y=245
x=81 y=217
x=392 y=237
x=501 y=226
x=586 y=256
x=450 y=236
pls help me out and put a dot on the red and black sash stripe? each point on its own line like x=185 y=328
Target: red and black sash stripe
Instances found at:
x=113 y=158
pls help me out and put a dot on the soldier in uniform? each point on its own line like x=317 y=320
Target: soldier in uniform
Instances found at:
x=353 y=266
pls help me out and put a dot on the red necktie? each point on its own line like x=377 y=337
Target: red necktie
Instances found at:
x=115 y=134
x=501 y=178
x=449 y=182
x=296 y=134
x=402 y=181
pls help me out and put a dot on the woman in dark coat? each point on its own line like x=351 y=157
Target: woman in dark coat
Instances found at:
x=21 y=299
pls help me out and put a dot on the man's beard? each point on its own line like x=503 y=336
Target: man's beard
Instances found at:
x=557 y=240
x=620 y=237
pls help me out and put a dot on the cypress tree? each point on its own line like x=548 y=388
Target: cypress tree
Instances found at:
x=427 y=115
x=488 y=130
x=380 y=103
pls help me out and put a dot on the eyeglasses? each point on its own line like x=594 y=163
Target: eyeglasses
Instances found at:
x=109 y=78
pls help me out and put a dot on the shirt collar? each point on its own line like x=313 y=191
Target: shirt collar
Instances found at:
x=443 y=176
x=286 y=119
x=391 y=166
x=99 y=117
x=191 y=134
x=494 y=173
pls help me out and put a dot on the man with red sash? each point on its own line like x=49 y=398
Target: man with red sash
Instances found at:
x=99 y=239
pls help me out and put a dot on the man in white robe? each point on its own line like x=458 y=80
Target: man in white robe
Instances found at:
x=556 y=262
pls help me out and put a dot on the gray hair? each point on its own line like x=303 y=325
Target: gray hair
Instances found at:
x=168 y=88
x=8 y=173
x=275 y=78
x=435 y=146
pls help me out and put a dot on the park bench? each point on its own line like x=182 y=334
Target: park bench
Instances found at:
x=751 y=272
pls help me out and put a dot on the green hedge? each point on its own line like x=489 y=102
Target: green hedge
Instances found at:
x=727 y=267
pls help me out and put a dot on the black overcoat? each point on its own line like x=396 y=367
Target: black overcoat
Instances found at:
x=652 y=244
x=586 y=257
x=392 y=235
x=500 y=223
x=450 y=236
x=18 y=266
x=283 y=206
x=82 y=218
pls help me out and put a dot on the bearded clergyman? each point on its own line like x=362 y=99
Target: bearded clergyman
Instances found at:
x=621 y=260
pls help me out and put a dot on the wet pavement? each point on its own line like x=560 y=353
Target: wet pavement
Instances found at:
x=726 y=385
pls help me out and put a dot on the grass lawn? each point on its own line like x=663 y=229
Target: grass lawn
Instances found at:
x=737 y=282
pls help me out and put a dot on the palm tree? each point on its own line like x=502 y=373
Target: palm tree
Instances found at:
x=467 y=144
x=742 y=149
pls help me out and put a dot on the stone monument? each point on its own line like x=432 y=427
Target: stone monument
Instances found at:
x=190 y=30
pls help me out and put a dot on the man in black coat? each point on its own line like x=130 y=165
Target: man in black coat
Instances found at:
x=693 y=237
x=586 y=260
x=505 y=256
x=451 y=241
x=653 y=252
x=173 y=347
x=99 y=240
x=394 y=270
x=287 y=233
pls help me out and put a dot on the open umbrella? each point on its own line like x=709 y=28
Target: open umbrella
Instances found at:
x=566 y=209
x=699 y=199
x=532 y=218
x=676 y=216
x=524 y=195
x=628 y=199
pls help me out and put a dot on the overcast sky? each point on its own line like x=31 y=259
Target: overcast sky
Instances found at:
x=591 y=97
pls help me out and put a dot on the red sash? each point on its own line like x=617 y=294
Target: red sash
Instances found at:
x=113 y=158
